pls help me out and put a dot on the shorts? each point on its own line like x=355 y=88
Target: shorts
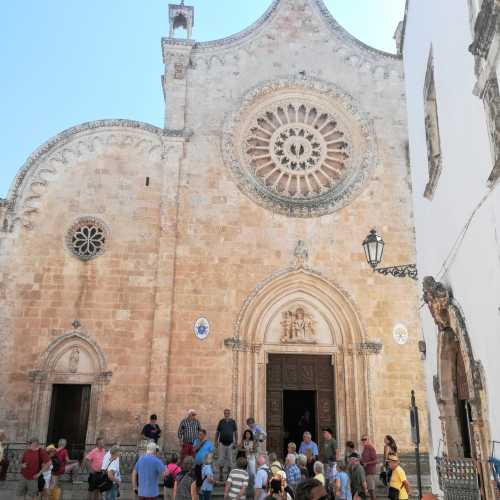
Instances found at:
x=27 y=487
x=370 y=481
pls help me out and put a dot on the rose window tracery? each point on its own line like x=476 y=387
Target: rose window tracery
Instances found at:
x=86 y=239
x=299 y=148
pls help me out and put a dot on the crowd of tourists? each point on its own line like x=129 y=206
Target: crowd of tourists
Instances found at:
x=243 y=467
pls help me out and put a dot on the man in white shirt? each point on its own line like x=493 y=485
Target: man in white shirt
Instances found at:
x=111 y=464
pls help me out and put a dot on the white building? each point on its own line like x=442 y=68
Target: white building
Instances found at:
x=451 y=56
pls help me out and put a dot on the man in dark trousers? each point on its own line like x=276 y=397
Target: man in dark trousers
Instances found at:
x=152 y=430
x=226 y=439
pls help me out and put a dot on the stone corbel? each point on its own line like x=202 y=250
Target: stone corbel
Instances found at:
x=437 y=298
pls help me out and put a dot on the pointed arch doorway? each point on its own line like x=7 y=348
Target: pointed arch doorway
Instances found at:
x=300 y=326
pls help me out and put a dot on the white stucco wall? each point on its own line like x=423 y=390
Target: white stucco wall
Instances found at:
x=474 y=273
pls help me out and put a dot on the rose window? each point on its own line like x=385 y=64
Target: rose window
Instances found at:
x=297 y=150
x=299 y=147
x=87 y=238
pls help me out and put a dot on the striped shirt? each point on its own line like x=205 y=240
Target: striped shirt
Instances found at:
x=237 y=480
x=188 y=430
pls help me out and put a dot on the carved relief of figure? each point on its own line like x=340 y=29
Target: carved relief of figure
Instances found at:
x=301 y=254
x=297 y=327
x=74 y=360
x=437 y=298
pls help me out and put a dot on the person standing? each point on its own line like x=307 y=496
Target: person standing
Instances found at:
x=111 y=464
x=330 y=455
x=248 y=446
x=390 y=447
x=151 y=430
x=237 y=481
x=148 y=471
x=258 y=432
x=369 y=461
x=226 y=437
x=93 y=460
x=359 y=486
x=292 y=471
x=261 y=478
x=185 y=482
x=66 y=466
x=202 y=447
x=189 y=429
x=171 y=471
x=309 y=444
x=311 y=489
x=399 y=487
x=342 y=484
x=208 y=477
x=34 y=462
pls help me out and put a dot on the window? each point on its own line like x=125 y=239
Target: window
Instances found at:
x=432 y=130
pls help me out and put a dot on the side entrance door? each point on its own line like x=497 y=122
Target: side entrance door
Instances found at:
x=300 y=397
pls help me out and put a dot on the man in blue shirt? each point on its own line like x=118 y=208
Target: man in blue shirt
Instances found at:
x=308 y=444
x=202 y=447
x=148 y=471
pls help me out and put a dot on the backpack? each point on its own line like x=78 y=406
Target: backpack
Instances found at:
x=169 y=480
x=56 y=463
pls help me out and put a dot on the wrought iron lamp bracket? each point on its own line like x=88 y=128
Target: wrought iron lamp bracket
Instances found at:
x=407 y=270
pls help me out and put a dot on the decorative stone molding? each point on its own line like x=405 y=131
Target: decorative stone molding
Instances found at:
x=273 y=167
x=86 y=239
x=181 y=16
x=432 y=134
x=491 y=100
x=77 y=143
x=437 y=298
x=485 y=27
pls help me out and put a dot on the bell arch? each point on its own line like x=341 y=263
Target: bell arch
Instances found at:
x=339 y=334
x=73 y=358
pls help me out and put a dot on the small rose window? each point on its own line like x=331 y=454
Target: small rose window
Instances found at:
x=86 y=239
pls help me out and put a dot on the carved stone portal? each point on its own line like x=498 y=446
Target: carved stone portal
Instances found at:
x=297 y=327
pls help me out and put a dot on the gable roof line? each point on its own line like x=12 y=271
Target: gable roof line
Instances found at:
x=255 y=27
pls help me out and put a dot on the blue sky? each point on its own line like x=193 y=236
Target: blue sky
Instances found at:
x=70 y=61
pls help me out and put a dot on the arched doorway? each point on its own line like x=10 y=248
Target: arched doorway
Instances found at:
x=299 y=320
x=70 y=379
x=459 y=385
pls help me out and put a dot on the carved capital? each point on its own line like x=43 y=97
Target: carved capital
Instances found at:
x=437 y=298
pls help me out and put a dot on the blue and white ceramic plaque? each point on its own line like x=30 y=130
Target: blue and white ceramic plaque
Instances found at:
x=201 y=328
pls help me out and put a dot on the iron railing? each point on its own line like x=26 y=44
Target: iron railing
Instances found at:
x=458 y=478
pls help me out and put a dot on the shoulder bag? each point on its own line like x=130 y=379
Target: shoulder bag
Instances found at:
x=102 y=481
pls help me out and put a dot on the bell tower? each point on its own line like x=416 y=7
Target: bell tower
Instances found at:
x=177 y=59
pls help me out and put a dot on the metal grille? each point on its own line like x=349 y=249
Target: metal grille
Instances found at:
x=458 y=478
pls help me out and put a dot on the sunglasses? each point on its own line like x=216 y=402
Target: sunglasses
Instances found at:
x=364 y=439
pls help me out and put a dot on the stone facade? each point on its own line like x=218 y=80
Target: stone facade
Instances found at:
x=192 y=230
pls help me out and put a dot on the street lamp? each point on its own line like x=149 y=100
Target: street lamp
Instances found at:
x=374 y=250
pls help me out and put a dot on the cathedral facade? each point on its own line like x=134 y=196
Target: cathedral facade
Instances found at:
x=218 y=262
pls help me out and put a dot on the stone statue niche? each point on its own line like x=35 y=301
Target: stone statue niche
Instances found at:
x=297 y=327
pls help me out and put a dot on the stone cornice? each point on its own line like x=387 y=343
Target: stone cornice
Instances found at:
x=485 y=27
x=256 y=27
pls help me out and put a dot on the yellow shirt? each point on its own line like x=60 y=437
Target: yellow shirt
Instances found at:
x=397 y=477
x=320 y=478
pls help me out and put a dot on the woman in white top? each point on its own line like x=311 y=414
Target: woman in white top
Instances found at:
x=47 y=475
x=111 y=464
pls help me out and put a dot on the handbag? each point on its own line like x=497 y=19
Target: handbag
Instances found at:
x=4 y=467
x=102 y=481
x=393 y=493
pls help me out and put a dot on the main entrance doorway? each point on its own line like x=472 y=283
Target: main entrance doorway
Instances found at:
x=300 y=397
x=69 y=415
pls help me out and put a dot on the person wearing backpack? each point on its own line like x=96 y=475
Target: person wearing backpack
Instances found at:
x=34 y=462
x=171 y=471
x=185 y=482
x=111 y=466
x=262 y=478
x=93 y=460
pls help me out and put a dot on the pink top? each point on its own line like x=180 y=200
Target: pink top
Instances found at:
x=95 y=458
x=172 y=469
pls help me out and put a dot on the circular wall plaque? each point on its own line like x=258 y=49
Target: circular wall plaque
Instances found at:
x=400 y=334
x=201 y=328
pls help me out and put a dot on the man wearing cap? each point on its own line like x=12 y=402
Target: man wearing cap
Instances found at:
x=152 y=431
x=369 y=461
x=189 y=430
x=330 y=455
x=399 y=487
x=358 y=477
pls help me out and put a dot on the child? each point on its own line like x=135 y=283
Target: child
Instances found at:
x=207 y=474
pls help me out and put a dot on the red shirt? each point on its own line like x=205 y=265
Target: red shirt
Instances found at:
x=34 y=459
x=369 y=455
x=95 y=458
x=63 y=457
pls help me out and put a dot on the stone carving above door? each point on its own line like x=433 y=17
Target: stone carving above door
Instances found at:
x=298 y=326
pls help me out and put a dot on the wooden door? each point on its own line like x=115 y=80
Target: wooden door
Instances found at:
x=287 y=372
